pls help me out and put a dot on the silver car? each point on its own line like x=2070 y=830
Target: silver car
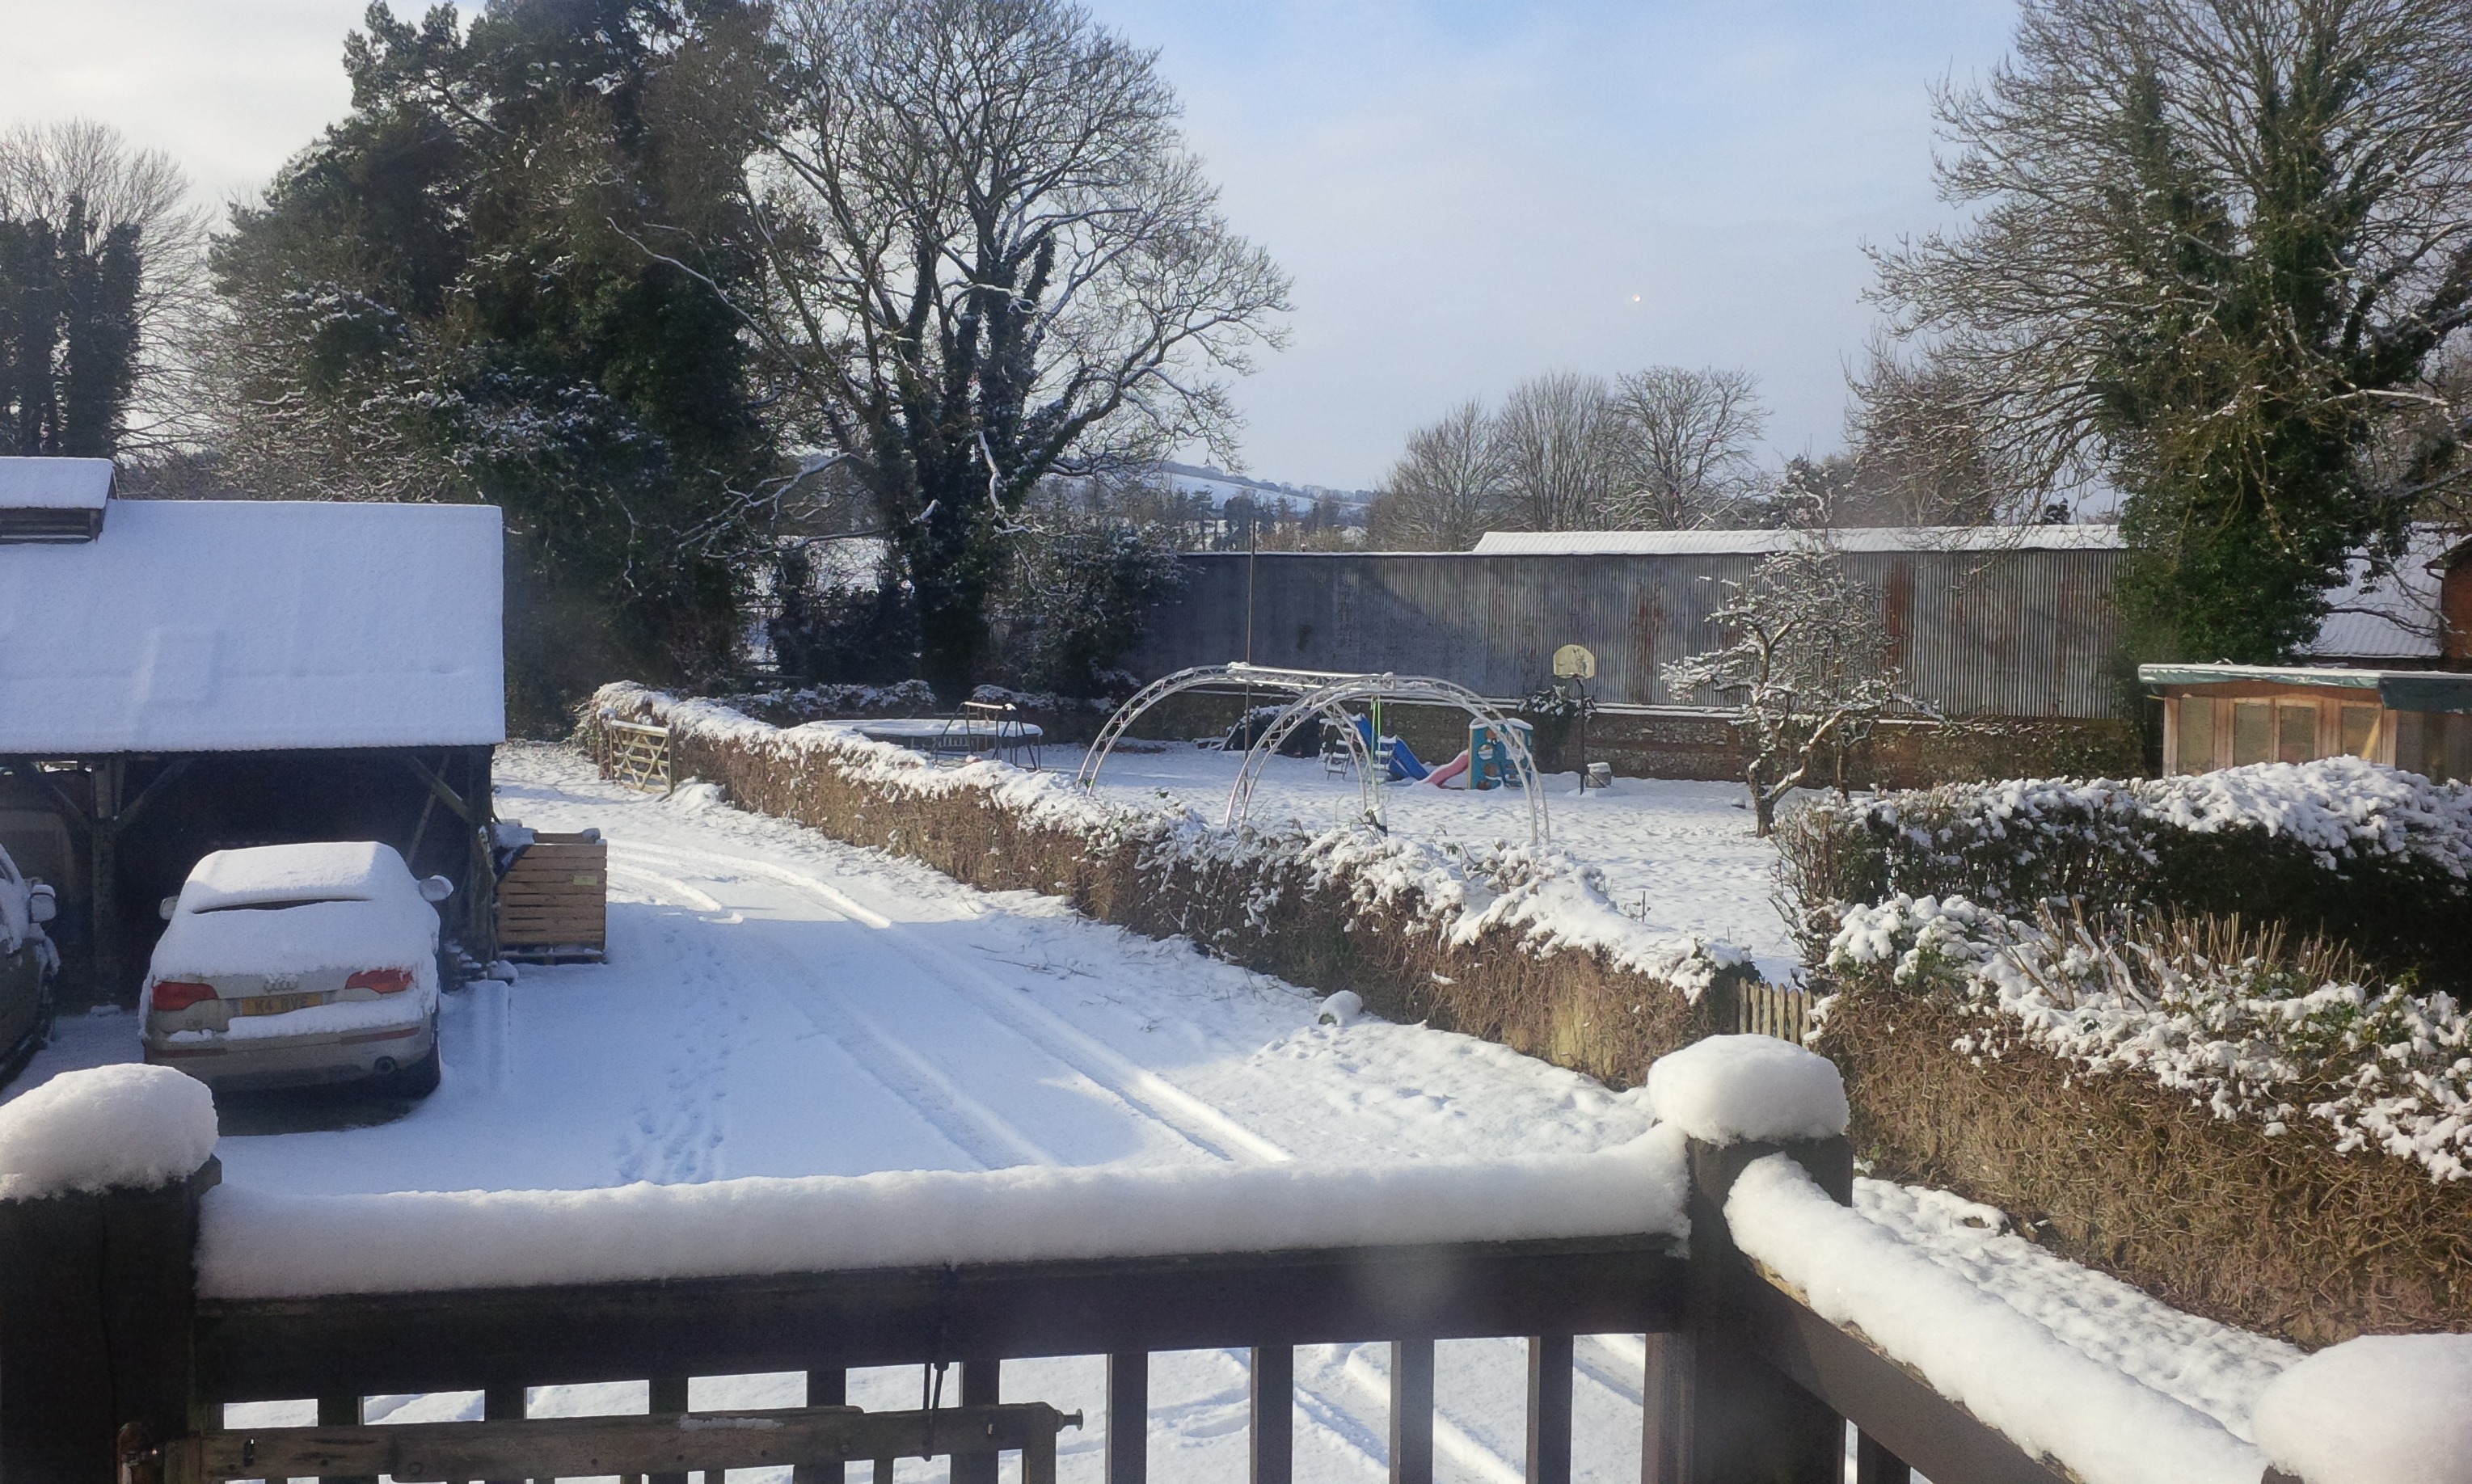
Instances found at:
x=291 y=965
x=26 y=965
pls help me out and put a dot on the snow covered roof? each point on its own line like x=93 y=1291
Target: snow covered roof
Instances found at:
x=2397 y=690
x=52 y=499
x=210 y=627
x=2394 y=617
x=54 y=484
x=1738 y=543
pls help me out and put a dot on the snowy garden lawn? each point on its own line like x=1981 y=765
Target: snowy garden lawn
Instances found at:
x=1678 y=855
x=777 y=1004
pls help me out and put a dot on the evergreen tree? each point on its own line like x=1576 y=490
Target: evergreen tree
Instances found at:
x=448 y=297
x=68 y=334
x=2214 y=246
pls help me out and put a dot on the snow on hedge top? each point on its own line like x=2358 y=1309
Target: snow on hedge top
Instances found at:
x=54 y=483
x=105 y=1126
x=2338 y=808
x=258 y=1243
x=2012 y=1373
x=1732 y=1089
x=2384 y=1067
x=205 y=625
x=2382 y=1409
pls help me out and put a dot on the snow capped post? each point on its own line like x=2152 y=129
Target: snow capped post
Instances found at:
x=2382 y=1409
x=101 y=1173
x=1714 y=1411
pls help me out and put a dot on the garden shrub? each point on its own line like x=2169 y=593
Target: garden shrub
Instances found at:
x=2377 y=858
x=2249 y=1123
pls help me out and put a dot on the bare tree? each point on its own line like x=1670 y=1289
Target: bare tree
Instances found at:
x=1922 y=456
x=2209 y=247
x=1559 y=440
x=1806 y=667
x=82 y=171
x=991 y=259
x=1446 y=491
x=1688 y=447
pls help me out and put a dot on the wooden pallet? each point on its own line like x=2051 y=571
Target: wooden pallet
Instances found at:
x=553 y=902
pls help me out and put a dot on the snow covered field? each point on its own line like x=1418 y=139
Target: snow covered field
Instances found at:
x=779 y=1004
x=1679 y=855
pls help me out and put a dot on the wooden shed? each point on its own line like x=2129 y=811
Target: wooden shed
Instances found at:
x=2224 y=716
x=183 y=676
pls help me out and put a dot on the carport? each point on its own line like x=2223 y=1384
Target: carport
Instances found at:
x=182 y=676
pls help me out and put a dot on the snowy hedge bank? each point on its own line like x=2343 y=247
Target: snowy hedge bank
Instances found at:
x=2377 y=858
x=2251 y=1127
x=1514 y=945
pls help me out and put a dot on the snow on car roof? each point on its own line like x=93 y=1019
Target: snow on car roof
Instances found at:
x=328 y=870
x=358 y=909
x=229 y=626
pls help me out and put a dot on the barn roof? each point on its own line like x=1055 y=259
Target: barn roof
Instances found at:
x=1750 y=543
x=250 y=625
x=2391 y=617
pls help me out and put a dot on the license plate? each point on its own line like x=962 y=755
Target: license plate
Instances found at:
x=278 y=1004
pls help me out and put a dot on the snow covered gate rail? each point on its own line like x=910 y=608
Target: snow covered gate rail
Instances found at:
x=136 y=1297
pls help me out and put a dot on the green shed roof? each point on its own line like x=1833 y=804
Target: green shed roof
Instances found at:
x=2397 y=690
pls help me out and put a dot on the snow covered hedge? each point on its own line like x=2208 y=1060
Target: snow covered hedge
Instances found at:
x=2252 y=1126
x=1515 y=945
x=2377 y=858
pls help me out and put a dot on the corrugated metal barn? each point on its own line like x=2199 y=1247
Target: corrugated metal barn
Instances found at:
x=2003 y=623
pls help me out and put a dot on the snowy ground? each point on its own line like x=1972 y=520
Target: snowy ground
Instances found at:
x=1680 y=855
x=779 y=1004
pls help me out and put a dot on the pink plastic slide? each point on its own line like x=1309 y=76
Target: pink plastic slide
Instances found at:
x=1440 y=777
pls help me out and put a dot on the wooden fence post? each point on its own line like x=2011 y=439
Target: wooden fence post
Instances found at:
x=97 y=1299
x=1129 y=1417
x=1715 y=1413
x=1412 y=1411
x=1271 y=1441
x=1549 y=1409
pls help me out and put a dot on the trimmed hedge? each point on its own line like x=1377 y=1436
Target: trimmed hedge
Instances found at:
x=2379 y=859
x=2275 y=1233
x=1514 y=947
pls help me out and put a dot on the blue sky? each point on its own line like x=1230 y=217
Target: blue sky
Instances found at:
x=1466 y=194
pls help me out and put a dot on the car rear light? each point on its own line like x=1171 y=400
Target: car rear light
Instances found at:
x=179 y=994
x=386 y=981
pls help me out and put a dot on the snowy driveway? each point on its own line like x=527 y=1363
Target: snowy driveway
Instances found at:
x=777 y=1004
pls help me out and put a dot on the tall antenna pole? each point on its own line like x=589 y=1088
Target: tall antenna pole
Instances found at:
x=1252 y=565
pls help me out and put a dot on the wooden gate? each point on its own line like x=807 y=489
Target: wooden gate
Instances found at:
x=636 y=755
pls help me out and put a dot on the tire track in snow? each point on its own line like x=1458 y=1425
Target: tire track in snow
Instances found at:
x=1144 y=1092
x=976 y=1132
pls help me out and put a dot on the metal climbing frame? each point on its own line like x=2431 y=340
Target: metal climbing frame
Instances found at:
x=1333 y=699
x=1318 y=693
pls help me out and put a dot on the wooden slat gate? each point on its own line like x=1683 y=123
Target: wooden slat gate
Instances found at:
x=635 y=755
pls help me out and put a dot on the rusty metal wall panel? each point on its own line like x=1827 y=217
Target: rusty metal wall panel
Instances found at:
x=2021 y=633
